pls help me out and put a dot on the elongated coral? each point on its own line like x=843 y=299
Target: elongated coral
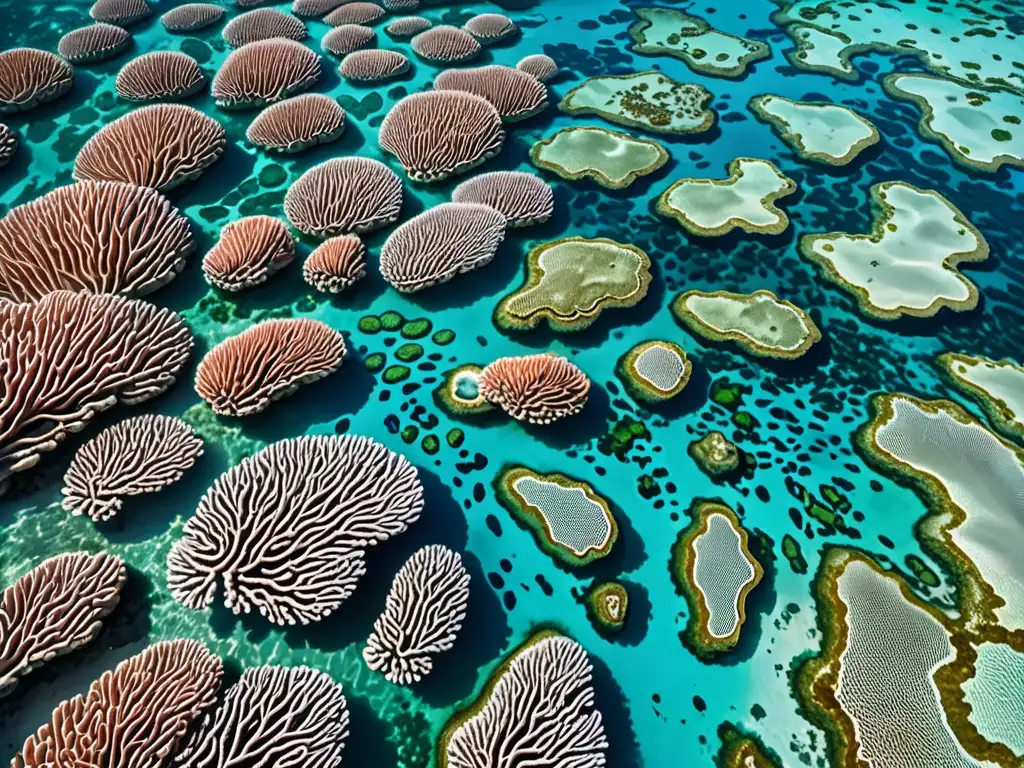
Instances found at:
x=407 y=27
x=491 y=28
x=346 y=38
x=314 y=9
x=445 y=44
x=423 y=615
x=191 y=17
x=249 y=251
x=160 y=76
x=516 y=95
x=143 y=454
x=96 y=42
x=354 y=13
x=262 y=24
x=53 y=609
x=264 y=72
x=373 y=65
x=336 y=264
x=539 y=66
x=298 y=123
x=286 y=529
x=124 y=13
x=539 y=389
x=344 y=195
x=522 y=198
x=29 y=77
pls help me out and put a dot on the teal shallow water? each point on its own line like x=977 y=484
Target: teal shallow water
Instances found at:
x=660 y=702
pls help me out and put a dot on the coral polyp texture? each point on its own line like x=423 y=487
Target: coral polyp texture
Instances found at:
x=264 y=72
x=745 y=200
x=539 y=389
x=134 y=716
x=515 y=94
x=143 y=454
x=344 y=195
x=68 y=356
x=407 y=27
x=262 y=24
x=908 y=264
x=438 y=134
x=269 y=713
x=668 y=32
x=569 y=520
x=445 y=44
x=348 y=38
x=298 y=123
x=443 y=242
x=250 y=250
x=96 y=42
x=373 y=65
x=539 y=702
x=53 y=609
x=647 y=100
x=761 y=323
x=244 y=374
x=522 y=198
x=538 y=65
x=160 y=76
x=8 y=144
x=996 y=385
x=569 y=282
x=121 y=12
x=286 y=529
x=192 y=17
x=29 y=77
x=158 y=146
x=355 y=13
x=820 y=131
x=608 y=606
x=336 y=264
x=422 y=617
x=98 y=237
x=713 y=568
x=655 y=371
x=612 y=159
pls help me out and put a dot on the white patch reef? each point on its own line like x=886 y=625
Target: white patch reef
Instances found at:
x=998 y=385
x=611 y=158
x=820 y=50
x=996 y=695
x=721 y=573
x=827 y=133
x=574 y=520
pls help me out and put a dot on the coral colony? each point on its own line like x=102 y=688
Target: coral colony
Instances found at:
x=511 y=384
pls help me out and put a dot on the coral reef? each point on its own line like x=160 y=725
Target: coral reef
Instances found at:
x=347 y=38
x=264 y=72
x=612 y=159
x=459 y=393
x=445 y=44
x=336 y=264
x=192 y=17
x=373 y=66
x=344 y=195
x=522 y=198
x=654 y=371
x=539 y=389
x=997 y=386
x=297 y=123
x=29 y=77
x=715 y=454
x=159 y=76
x=817 y=130
x=262 y=24
x=539 y=65
x=608 y=606
x=250 y=250
x=94 y=43
x=516 y=95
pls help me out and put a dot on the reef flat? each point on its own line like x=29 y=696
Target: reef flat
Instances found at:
x=820 y=131
x=821 y=50
x=997 y=386
x=611 y=158
x=655 y=370
x=608 y=606
x=743 y=750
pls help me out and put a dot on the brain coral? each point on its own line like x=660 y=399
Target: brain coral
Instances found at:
x=69 y=355
x=249 y=251
x=446 y=44
x=132 y=717
x=344 y=195
x=273 y=716
x=121 y=12
x=263 y=72
x=336 y=264
x=286 y=528
x=245 y=373
x=99 y=237
x=373 y=65
x=491 y=28
x=314 y=9
x=97 y=42
x=29 y=77
x=540 y=66
x=539 y=389
x=354 y=13
x=8 y=144
x=345 y=39
x=522 y=198
x=298 y=123
x=423 y=615
x=441 y=243
x=515 y=94
x=143 y=454
x=159 y=76
x=441 y=133
x=191 y=16
x=262 y=24
x=54 y=609
x=407 y=27
x=542 y=705
x=158 y=146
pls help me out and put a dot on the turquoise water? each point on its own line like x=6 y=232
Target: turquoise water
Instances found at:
x=661 y=705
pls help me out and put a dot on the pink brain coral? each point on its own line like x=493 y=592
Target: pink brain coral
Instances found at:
x=70 y=355
x=287 y=528
x=191 y=17
x=423 y=615
x=515 y=94
x=438 y=134
x=29 y=77
x=96 y=42
x=249 y=251
x=132 y=717
x=121 y=12
x=345 y=39
x=541 y=706
x=264 y=72
x=344 y=195
x=373 y=66
x=522 y=198
x=539 y=66
x=99 y=237
x=297 y=123
x=160 y=76
x=8 y=144
x=441 y=243
x=158 y=146
x=491 y=28
x=354 y=13
x=336 y=264
x=539 y=389
x=143 y=454
x=296 y=712
x=446 y=44
x=54 y=609
x=262 y=24
x=245 y=373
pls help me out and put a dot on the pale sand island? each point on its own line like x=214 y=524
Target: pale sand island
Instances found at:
x=818 y=131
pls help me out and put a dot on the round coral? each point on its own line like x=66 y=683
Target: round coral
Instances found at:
x=538 y=389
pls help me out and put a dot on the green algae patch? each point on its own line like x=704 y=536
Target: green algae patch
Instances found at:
x=741 y=749
x=607 y=606
x=455 y=438
x=569 y=282
x=715 y=454
x=907 y=264
x=996 y=385
x=569 y=520
x=396 y=374
x=391 y=321
x=761 y=323
x=713 y=568
x=623 y=437
x=611 y=158
x=369 y=324
x=654 y=371
x=416 y=329
x=409 y=353
x=965 y=121
x=647 y=100
x=409 y=434
x=668 y=32
x=921 y=571
x=792 y=552
x=816 y=130
x=443 y=337
x=459 y=393
x=745 y=200
x=375 y=362
x=430 y=445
